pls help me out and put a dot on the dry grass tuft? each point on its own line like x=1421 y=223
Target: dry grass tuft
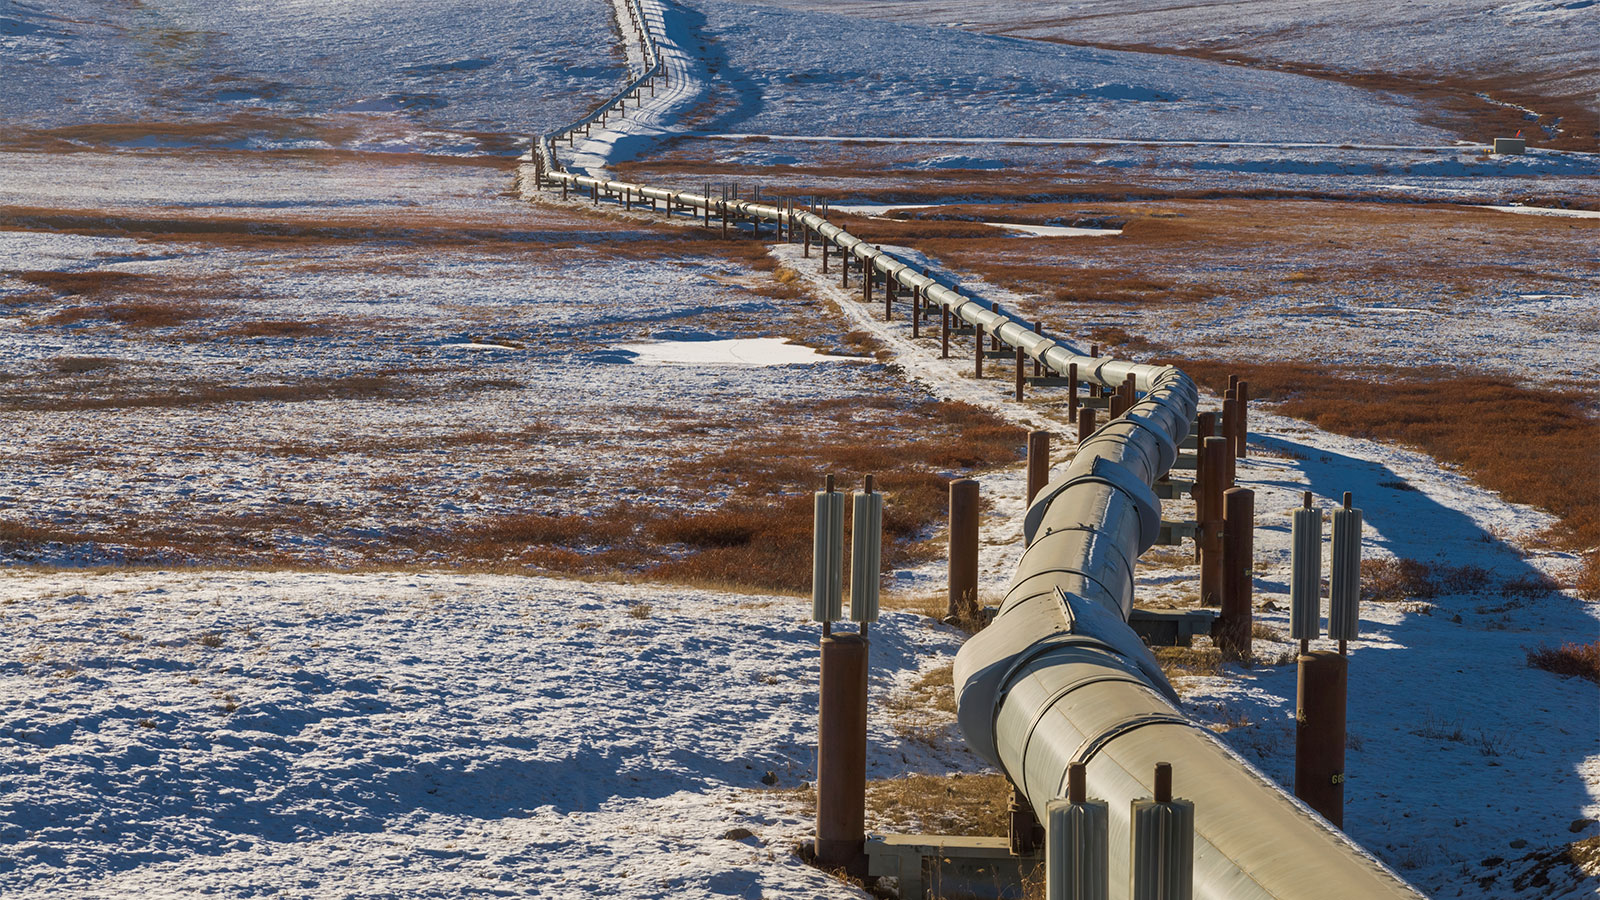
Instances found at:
x=1569 y=660
x=1183 y=662
x=948 y=804
x=77 y=365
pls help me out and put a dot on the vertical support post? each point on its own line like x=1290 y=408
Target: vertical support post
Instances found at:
x=844 y=267
x=1021 y=358
x=866 y=279
x=1025 y=833
x=805 y=240
x=1094 y=386
x=825 y=243
x=842 y=751
x=1038 y=462
x=1241 y=393
x=594 y=192
x=944 y=333
x=994 y=339
x=1085 y=423
x=1072 y=389
x=916 y=310
x=1038 y=367
x=1230 y=430
x=977 y=351
x=1214 y=454
x=724 y=206
x=888 y=296
x=1232 y=629
x=1319 y=732
x=963 y=597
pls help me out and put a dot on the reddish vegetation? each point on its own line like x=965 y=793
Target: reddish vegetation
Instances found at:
x=760 y=537
x=1532 y=446
x=1571 y=659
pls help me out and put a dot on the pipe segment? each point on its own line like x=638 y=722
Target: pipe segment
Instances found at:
x=1059 y=677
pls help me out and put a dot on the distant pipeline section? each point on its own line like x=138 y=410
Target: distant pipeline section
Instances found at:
x=1059 y=677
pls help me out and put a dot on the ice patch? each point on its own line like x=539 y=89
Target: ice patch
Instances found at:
x=957 y=161
x=1055 y=230
x=1546 y=211
x=729 y=352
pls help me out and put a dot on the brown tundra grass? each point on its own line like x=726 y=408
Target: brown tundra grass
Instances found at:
x=1538 y=447
x=1570 y=659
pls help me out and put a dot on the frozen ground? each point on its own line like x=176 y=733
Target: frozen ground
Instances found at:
x=803 y=99
x=1542 y=48
x=459 y=78
x=432 y=733
x=311 y=735
x=476 y=354
x=1495 y=292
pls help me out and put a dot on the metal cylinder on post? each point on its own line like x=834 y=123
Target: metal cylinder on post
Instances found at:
x=1161 y=837
x=827 y=555
x=1038 y=462
x=1077 y=843
x=963 y=598
x=1305 y=574
x=842 y=752
x=866 y=553
x=1344 y=577
x=1214 y=454
x=1319 y=732
x=1232 y=632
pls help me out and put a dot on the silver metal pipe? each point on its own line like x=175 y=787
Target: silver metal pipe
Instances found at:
x=1059 y=677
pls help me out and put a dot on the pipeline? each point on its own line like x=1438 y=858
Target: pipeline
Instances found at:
x=1059 y=677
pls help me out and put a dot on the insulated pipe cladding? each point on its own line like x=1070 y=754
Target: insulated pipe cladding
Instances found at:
x=1060 y=678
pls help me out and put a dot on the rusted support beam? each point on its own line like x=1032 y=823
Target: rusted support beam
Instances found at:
x=1232 y=630
x=1038 y=462
x=963 y=588
x=842 y=752
x=1214 y=457
x=1319 y=732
